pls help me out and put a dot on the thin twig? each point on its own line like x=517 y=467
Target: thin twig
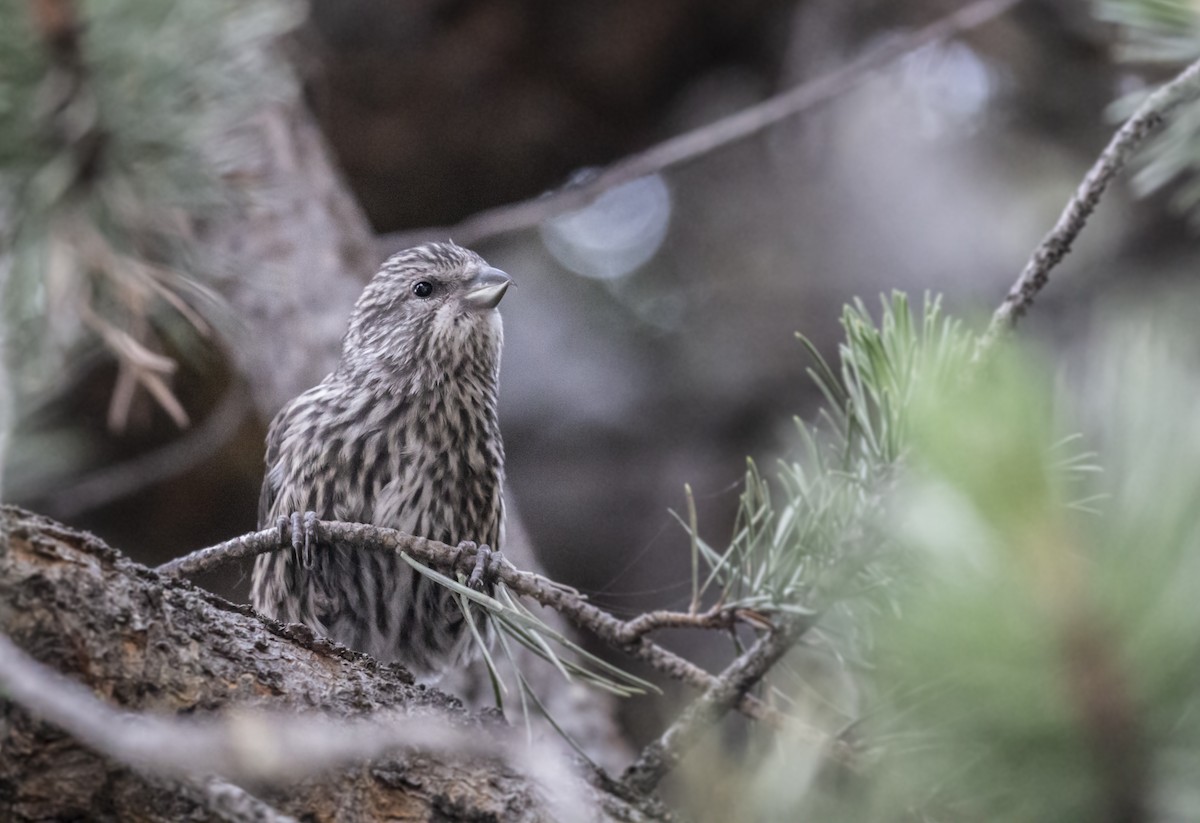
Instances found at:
x=730 y=687
x=691 y=145
x=1149 y=118
x=718 y=617
x=567 y=602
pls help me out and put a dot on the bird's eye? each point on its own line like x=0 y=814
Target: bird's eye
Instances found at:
x=422 y=288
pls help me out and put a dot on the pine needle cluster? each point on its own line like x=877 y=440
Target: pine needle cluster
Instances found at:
x=1153 y=35
x=110 y=114
x=1004 y=562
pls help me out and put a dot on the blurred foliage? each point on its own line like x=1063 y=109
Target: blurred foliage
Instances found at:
x=815 y=538
x=806 y=546
x=1162 y=33
x=108 y=114
x=1043 y=644
x=1154 y=31
x=1037 y=658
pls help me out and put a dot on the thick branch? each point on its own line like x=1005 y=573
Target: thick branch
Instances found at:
x=148 y=744
x=262 y=747
x=156 y=660
x=1149 y=118
x=691 y=145
x=627 y=636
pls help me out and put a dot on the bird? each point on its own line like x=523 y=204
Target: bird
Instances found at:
x=403 y=433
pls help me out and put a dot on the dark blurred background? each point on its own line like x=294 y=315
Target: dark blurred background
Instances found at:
x=650 y=339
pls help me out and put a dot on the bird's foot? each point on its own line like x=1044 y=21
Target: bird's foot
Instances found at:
x=483 y=570
x=302 y=529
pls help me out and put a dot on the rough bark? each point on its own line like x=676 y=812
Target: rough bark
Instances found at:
x=145 y=643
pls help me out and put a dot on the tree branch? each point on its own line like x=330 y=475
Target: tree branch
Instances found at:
x=626 y=636
x=727 y=690
x=166 y=694
x=718 y=617
x=151 y=746
x=691 y=145
x=1149 y=118
x=257 y=747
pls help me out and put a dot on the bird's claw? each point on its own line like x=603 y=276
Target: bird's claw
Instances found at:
x=302 y=529
x=310 y=535
x=483 y=567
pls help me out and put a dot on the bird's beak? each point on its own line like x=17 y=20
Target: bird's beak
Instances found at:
x=486 y=288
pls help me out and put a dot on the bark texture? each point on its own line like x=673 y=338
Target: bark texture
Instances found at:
x=145 y=643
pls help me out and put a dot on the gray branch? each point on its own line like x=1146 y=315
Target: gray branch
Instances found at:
x=694 y=144
x=626 y=636
x=250 y=746
x=727 y=690
x=1149 y=118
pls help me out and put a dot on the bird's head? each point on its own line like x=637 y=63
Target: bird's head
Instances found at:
x=429 y=312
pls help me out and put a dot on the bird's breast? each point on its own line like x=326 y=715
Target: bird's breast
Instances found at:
x=443 y=472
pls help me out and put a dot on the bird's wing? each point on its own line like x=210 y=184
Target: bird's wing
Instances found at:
x=266 y=500
x=271 y=480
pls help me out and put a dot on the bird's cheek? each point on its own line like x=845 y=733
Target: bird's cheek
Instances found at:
x=445 y=318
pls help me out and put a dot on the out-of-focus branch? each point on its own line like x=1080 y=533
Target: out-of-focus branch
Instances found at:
x=68 y=106
x=259 y=747
x=1149 y=118
x=152 y=746
x=691 y=145
x=123 y=479
x=627 y=636
x=1108 y=714
x=230 y=802
x=730 y=687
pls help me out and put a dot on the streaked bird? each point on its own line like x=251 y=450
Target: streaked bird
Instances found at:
x=402 y=434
